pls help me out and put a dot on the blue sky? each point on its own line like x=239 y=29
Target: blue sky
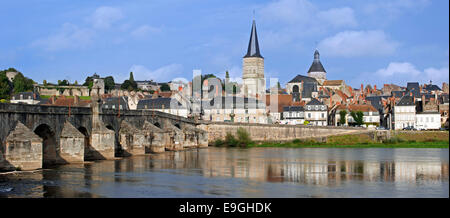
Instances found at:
x=370 y=42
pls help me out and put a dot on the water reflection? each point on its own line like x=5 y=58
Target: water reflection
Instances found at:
x=259 y=172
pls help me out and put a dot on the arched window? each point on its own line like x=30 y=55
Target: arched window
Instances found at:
x=295 y=89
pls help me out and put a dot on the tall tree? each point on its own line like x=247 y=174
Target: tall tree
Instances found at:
x=358 y=117
x=22 y=83
x=342 y=115
x=109 y=83
x=5 y=86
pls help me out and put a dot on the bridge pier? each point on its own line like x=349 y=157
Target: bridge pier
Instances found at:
x=131 y=140
x=155 y=138
x=22 y=150
x=175 y=139
x=72 y=144
x=102 y=143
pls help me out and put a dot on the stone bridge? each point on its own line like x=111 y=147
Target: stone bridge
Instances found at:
x=34 y=136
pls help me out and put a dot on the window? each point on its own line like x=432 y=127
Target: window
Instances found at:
x=431 y=119
x=309 y=115
x=317 y=107
x=323 y=115
x=114 y=107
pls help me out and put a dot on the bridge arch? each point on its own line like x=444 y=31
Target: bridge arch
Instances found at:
x=87 y=141
x=49 y=143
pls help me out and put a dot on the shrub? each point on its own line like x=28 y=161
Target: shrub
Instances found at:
x=243 y=137
x=296 y=141
x=230 y=140
x=218 y=142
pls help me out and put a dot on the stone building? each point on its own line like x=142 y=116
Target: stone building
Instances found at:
x=166 y=105
x=254 y=83
x=317 y=70
x=234 y=109
x=405 y=113
x=316 y=113
x=302 y=88
x=293 y=115
x=371 y=116
x=26 y=98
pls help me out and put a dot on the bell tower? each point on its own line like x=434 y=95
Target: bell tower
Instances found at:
x=254 y=83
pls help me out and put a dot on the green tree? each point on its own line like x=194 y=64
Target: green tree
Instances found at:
x=358 y=117
x=109 y=83
x=22 y=83
x=5 y=86
x=129 y=84
x=63 y=83
x=164 y=87
x=44 y=82
x=342 y=115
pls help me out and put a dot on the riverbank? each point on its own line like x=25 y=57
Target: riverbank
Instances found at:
x=399 y=139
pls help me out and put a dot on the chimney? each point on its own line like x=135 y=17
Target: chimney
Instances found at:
x=76 y=100
x=421 y=89
x=375 y=87
x=362 y=88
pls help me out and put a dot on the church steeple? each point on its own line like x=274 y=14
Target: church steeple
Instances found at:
x=253 y=45
x=316 y=66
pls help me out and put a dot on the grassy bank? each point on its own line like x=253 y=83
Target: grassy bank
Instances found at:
x=398 y=140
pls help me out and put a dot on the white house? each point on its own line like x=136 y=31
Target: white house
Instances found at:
x=428 y=120
x=316 y=113
x=405 y=113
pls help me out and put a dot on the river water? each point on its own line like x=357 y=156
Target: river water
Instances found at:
x=255 y=172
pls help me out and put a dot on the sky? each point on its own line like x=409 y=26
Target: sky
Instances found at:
x=362 y=42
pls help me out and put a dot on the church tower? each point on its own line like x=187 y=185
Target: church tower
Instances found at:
x=316 y=70
x=254 y=83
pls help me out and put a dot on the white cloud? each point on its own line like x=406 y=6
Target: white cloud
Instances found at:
x=359 y=43
x=437 y=75
x=395 y=7
x=144 y=31
x=402 y=72
x=165 y=73
x=68 y=37
x=396 y=68
x=104 y=17
x=338 y=17
x=296 y=19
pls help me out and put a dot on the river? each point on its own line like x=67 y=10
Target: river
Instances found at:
x=255 y=172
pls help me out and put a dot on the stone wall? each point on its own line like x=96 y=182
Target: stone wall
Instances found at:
x=272 y=132
x=22 y=150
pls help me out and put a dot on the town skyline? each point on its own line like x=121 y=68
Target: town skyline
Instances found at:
x=87 y=38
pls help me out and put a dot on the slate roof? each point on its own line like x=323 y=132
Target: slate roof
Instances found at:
x=316 y=66
x=158 y=103
x=432 y=88
x=308 y=89
x=305 y=79
x=314 y=102
x=109 y=102
x=398 y=94
x=414 y=88
x=406 y=101
x=26 y=96
x=293 y=108
x=253 y=45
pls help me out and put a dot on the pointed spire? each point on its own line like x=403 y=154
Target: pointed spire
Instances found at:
x=316 y=65
x=253 y=45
